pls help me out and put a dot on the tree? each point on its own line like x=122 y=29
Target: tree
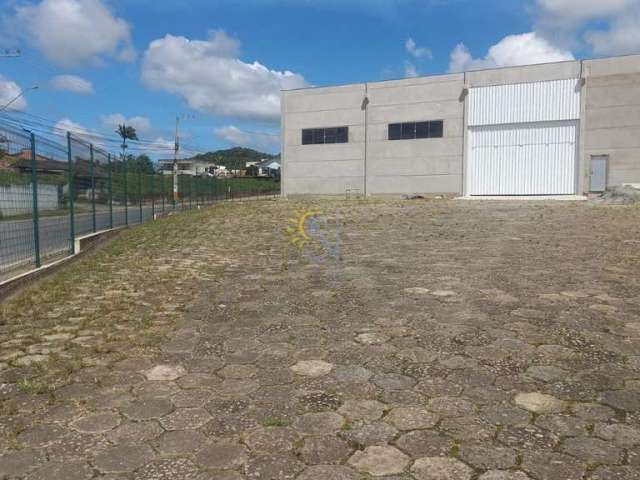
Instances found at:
x=126 y=133
x=142 y=163
x=252 y=171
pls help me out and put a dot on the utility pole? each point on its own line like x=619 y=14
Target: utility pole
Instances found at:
x=175 y=162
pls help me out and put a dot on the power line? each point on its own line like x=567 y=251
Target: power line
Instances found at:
x=48 y=126
x=57 y=136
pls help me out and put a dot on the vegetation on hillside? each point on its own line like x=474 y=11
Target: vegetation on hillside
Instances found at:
x=234 y=158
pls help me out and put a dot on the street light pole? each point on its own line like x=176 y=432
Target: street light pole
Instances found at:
x=175 y=162
x=2 y=109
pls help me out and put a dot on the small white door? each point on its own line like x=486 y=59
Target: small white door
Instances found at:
x=523 y=159
x=599 y=173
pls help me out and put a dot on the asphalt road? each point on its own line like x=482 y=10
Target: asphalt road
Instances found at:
x=16 y=236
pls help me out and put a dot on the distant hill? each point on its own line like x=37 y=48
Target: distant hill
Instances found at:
x=236 y=157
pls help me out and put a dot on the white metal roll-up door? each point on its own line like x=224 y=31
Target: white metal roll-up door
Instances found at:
x=523 y=138
x=523 y=159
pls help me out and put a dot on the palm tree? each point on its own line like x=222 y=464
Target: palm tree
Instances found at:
x=126 y=133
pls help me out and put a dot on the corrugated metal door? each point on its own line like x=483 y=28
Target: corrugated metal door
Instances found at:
x=523 y=159
x=523 y=138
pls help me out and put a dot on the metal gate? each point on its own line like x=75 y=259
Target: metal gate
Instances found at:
x=523 y=159
x=523 y=138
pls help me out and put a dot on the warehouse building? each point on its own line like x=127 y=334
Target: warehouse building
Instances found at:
x=552 y=129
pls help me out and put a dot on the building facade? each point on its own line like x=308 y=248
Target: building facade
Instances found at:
x=187 y=167
x=553 y=129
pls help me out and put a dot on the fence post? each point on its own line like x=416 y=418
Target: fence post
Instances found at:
x=93 y=188
x=190 y=192
x=34 y=197
x=72 y=220
x=181 y=191
x=152 y=191
x=126 y=200
x=110 y=193
x=140 y=191
x=162 y=190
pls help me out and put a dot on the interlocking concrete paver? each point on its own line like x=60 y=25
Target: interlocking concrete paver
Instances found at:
x=123 y=458
x=180 y=442
x=366 y=435
x=97 y=423
x=185 y=419
x=379 y=460
x=552 y=466
x=493 y=341
x=425 y=443
x=412 y=418
x=147 y=408
x=365 y=410
x=273 y=467
x=71 y=470
x=324 y=450
x=440 y=468
x=222 y=456
x=328 y=472
x=169 y=469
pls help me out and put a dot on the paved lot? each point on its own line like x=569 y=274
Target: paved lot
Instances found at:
x=451 y=341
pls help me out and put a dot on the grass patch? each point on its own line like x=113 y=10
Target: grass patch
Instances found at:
x=454 y=451
x=275 y=422
x=34 y=387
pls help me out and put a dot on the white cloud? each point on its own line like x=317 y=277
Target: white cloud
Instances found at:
x=67 y=125
x=72 y=83
x=80 y=132
x=9 y=90
x=260 y=141
x=415 y=51
x=410 y=70
x=622 y=36
x=608 y=27
x=577 y=10
x=524 y=49
x=141 y=124
x=164 y=148
x=211 y=78
x=72 y=32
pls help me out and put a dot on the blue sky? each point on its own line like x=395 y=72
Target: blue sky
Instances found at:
x=220 y=64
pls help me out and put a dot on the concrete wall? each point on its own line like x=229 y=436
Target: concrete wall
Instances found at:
x=609 y=124
x=323 y=169
x=523 y=74
x=612 y=117
x=429 y=165
x=18 y=199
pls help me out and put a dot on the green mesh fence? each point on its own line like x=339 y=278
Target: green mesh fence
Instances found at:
x=53 y=192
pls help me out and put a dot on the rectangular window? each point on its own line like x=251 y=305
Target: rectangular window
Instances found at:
x=436 y=129
x=343 y=135
x=408 y=131
x=422 y=130
x=318 y=136
x=330 y=135
x=395 y=131
x=413 y=130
